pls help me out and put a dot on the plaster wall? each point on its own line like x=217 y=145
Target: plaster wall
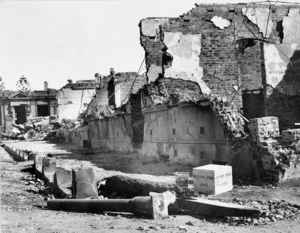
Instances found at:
x=72 y=102
x=110 y=133
x=189 y=134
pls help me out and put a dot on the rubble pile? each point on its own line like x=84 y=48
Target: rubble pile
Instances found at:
x=279 y=154
x=170 y=91
x=60 y=134
x=232 y=121
x=270 y=211
x=35 y=129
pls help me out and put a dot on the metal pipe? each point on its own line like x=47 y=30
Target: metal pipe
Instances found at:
x=90 y=205
x=154 y=206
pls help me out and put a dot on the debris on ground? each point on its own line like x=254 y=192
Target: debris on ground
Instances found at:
x=36 y=128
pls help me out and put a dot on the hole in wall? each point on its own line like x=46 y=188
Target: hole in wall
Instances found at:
x=279 y=29
x=245 y=43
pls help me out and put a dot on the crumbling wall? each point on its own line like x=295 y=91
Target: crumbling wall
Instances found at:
x=277 y=155
x=229 y=50
x=204 y=46
x=125 y=85
x=72 y=102
x=282 y=66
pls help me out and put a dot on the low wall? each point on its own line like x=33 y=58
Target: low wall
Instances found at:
x=111 y=133
x=74 y=136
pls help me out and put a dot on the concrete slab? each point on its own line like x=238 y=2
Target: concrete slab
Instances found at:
x=63 y=182
x=84 y=183
x=38 y=166
x=49 y=165
x=214 y=208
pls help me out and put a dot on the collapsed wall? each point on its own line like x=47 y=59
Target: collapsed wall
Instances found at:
x=205 y=70
x=248 y=53
x=244 y=53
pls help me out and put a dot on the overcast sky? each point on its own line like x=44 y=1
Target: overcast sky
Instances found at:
x=58 y=40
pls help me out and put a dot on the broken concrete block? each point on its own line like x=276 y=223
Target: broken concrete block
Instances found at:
x=38 y=166
x=49 y=165
x=63 y=182
x=84 y=183
x=264 y=127
x=160 y=203
x=291 y=135
x=212 y=179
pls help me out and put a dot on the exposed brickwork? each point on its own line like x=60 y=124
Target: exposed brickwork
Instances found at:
x=225 y=66
x=232 y=58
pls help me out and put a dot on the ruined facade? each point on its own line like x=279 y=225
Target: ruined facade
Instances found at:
x=73 y=98
x=19 y=107
x=248 y=53
x=113 y=91
x=208 y=72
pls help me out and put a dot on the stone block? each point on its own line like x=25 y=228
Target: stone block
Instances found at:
x=63 y=181
x=291 y=134
x=264 y=127
x=38 y=165
x=212 y=179
x=84 y=183
x=49 y=165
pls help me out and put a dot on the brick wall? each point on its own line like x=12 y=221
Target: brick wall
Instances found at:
x=233 y=59
x=225 y=65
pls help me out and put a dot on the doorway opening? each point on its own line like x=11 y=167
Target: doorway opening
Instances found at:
x=43 y=110
x=20 y=114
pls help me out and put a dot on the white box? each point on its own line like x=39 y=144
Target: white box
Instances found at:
x=212 y=179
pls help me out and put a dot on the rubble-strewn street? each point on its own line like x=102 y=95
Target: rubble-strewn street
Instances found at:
x=23 y=205
x=202 y=136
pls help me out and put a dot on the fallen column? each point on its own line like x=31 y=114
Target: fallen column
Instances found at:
x=154 y=206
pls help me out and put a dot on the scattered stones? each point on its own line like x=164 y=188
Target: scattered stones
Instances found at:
x=271 y=211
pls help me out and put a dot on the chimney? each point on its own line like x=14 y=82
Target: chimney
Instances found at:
x=70 y=81
x=112 y=72
x=45 y=85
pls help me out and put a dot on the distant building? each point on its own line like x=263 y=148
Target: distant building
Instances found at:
x=19 y=107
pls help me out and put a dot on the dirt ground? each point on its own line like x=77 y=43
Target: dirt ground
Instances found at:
x=23 y=208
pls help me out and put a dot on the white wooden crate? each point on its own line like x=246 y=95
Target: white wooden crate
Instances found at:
x=212 y=179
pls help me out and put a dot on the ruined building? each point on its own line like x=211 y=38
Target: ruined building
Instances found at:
x=245 y=54
x=114 y=114
x=17 y=107
x=208 y=72
x=248 y=53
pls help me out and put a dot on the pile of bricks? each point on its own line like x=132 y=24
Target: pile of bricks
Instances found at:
x=232 y=122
